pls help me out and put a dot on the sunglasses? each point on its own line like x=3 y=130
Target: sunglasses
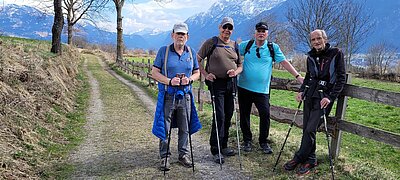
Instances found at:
x=258 y=53
x=180 y=33
x=227 y=26
x=261 y=30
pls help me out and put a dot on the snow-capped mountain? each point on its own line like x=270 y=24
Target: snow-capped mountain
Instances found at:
x=25 y=21
x=29 y=22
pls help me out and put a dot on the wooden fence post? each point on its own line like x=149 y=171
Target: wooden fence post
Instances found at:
x=340 y=114
x=149 y=71
x=142 y=70
x=201 y=89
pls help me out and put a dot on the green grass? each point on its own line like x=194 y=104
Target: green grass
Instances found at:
x=360 y=158
x=355 y=150
x=73 y=132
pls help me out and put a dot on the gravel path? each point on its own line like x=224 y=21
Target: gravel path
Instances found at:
x=134 y=154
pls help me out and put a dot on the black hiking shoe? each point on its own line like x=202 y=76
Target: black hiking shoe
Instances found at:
x=246 y=146
x=216 y=159
x=265 y=148
x=164 y=166
x=185 y=161
x=228 y=152
x=306 y=169
x=290 y=165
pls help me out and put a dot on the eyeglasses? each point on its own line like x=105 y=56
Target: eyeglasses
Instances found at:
x=261 y=30
x=258 y=52
x=180 y=33
x=227 y=26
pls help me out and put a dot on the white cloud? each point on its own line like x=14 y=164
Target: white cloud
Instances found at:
x=152 y=15
x=141 y=15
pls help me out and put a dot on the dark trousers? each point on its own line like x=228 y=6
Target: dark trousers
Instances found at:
x=223 y=99
x=261 y=101
x=312 y=119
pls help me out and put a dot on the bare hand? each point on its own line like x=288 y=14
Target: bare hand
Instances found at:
x=299 y=96
x=325 y=102
x=210 y=77
x=185 y=81
x=231 y=73
x=175 y=81
x=300 y=79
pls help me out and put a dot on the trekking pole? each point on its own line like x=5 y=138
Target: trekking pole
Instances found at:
x=216 y=124
x=234 y=81
x=169 y=133
x=290 y=127
x=321 y=93
x=188 y=127
x=190 y=138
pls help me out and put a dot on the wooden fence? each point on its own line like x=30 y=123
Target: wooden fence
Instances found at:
x=336 y=124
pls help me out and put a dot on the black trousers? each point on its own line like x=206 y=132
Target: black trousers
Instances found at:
x=312 y=119
x=223 y=99
x=261 y=101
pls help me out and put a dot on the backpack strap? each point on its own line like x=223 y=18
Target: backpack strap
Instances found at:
x=248 y=46
x=191 y=56
x=237 y=51
x=271 y=50
x=165 y=65
x=215 y=42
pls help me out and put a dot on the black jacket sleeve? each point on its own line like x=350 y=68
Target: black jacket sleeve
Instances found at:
x=340 y=76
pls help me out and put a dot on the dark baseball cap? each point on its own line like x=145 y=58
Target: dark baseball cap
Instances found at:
x=262 y=25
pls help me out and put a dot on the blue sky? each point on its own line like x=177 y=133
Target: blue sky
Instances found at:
x=145 y=14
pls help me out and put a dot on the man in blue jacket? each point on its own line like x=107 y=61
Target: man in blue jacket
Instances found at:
x=175 y=68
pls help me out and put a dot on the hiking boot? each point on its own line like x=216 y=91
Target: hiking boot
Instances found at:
x=290 y=165
x=306 y=168
x=228 y=152
x=247 y=146
x=185 y=161
x=216 y=158
x=265 y=148
x=164 y=166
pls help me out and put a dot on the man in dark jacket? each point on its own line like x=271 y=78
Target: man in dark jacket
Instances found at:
x=326 y=72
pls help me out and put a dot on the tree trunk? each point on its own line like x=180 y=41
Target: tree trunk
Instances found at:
x=70 y=33
x=57 y=27
x=120 y=40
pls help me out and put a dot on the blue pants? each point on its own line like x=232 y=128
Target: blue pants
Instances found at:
x=261 y=101
x=180 y=120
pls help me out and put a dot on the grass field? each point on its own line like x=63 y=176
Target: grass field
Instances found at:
x=360 y=158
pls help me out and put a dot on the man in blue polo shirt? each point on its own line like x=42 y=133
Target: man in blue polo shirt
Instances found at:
x=254 y=82
x=175 y=68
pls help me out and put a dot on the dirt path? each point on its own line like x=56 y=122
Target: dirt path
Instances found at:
x=119 y=143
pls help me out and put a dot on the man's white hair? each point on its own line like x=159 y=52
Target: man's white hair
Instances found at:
x=322 y=32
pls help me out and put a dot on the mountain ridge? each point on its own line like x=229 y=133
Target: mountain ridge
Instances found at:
x=25 y=21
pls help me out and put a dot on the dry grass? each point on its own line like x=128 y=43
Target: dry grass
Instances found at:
x=36 y=89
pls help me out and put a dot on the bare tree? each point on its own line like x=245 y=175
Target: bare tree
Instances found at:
x=353 y=27
x=380 y=57
x=57 y=27
x=307 y=15
x=82 y=9
x=120 y=41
